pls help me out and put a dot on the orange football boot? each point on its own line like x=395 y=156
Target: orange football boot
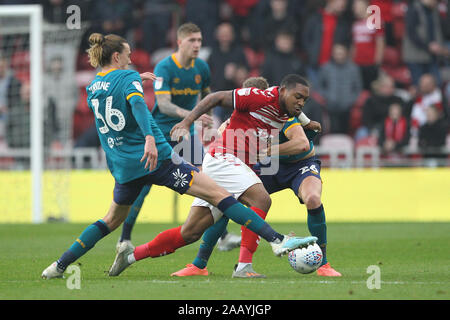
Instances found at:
x=190 y=270
x=327 y=271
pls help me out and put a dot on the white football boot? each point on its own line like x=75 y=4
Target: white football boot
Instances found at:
x=52 y=271
x=229 y=242
x=121 y=261
x=290 y=243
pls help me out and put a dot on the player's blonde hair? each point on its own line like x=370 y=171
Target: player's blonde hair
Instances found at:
x=186 y=29
x=256 y=82
x=102 y=47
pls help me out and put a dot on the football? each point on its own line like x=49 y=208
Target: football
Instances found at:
x=306 y=260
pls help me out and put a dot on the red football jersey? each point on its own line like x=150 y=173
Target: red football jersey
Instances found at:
x=256 y=118
x=364 y=41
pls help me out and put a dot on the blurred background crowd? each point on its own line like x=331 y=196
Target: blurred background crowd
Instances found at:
x=386 y=87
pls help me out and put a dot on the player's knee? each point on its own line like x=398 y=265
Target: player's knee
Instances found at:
x=312 y=200
x=190 y=235
x=266 y=203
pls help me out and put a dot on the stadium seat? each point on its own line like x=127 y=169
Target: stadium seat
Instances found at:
x=391 y=57
x=141 y=59
x=339 y=148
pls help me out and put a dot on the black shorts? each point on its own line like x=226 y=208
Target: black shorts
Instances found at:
x=175 y=174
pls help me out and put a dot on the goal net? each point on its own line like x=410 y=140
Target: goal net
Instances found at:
x=38 y=97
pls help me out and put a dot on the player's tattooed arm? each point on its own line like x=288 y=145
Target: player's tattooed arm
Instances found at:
x=168 y=108
x=205 y=92
x=219 y=98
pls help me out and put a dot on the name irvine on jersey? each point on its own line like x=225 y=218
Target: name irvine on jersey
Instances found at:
x=99 y=85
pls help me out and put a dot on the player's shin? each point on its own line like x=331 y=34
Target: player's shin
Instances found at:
x=249 y=243
x=317 y=227
x=163 y=244
x=239 y=213
x=209 y=240
x=87 y=240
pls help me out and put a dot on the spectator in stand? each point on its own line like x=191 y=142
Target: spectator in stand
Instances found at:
x=339 y=82
x=156 y=22
x=114 y=16
x=205 y=14
x=282 y=60
x=394 y=135
x=423 y=43
x=433 y=133
x=9 y=92
x=278 y=18
x=18 y=123
x=376 y=108
x=429 y=95
x=386 y=7
x=55 y=11
x=322 y=30
x=60 y=102
x=242 y=14
x=367 y=45
x=226 y=55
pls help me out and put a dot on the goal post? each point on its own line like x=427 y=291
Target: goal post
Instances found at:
x=37 y=114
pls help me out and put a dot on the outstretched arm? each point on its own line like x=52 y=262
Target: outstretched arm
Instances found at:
x=219 y=98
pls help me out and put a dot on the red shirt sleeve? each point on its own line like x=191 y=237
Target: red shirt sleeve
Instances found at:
x=249 y=99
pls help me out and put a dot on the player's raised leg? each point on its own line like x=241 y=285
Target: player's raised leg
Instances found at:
x=205 y=188
x=310 y=192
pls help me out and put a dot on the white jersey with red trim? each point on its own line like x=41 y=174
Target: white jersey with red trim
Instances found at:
x=256 y=118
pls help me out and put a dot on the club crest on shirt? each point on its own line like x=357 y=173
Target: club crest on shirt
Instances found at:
x=198 y=78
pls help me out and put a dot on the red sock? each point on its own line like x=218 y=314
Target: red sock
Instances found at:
x=164 y=243
x=249 y=240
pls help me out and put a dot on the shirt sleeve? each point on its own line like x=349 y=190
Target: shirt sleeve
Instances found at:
x=248 y=99
x=133 y=86
x=292 y=122
x=162 y=83
x=142 y=115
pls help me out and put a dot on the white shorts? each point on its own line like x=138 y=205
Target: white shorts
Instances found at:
x=230 y=173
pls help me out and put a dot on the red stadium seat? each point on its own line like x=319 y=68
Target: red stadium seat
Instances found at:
x=391 y=57
x=141 y=59
x=401 y=75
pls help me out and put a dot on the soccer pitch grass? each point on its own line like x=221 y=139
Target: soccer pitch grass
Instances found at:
x=413 y=260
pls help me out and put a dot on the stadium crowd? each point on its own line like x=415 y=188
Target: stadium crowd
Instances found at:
x=385 y=85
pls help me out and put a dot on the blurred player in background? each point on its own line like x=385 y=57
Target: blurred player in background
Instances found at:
x=299 y=171
x=181 y=78
x=138 y=154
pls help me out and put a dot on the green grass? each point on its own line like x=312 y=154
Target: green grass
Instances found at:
x=413 y=259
